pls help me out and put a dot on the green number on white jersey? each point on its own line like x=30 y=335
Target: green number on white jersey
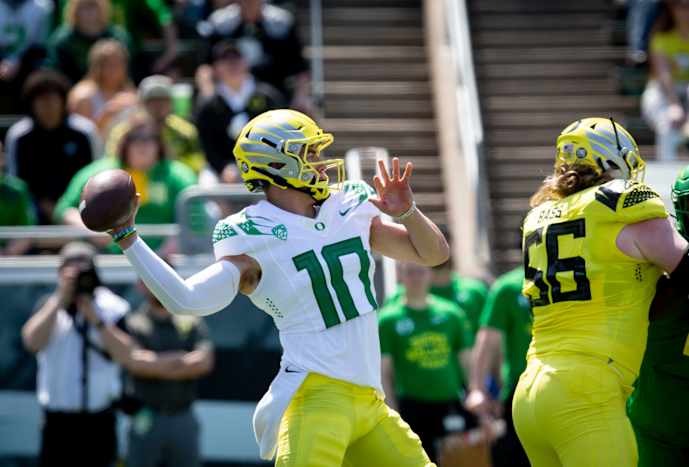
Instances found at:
x=332 y=254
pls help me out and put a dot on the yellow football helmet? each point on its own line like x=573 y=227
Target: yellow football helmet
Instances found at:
x=601 y=144
x=282 y=148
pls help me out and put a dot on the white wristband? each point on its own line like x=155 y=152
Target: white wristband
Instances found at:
x=408 y=213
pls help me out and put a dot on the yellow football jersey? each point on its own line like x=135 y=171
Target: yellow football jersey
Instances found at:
x=588 y=296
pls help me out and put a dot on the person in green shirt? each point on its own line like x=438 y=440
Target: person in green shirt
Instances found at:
x=86 y=22
x=142 y=19
x=469 y=294
x=158 y=180
x=659 y=405
x=180 y=136
x=424 y=341
x=505 y=328
x=17 y=208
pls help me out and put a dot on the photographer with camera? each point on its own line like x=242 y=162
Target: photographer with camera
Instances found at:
x=77 y=381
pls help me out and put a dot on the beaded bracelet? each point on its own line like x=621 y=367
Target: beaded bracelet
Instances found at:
x=406 y=214
x=119 y=235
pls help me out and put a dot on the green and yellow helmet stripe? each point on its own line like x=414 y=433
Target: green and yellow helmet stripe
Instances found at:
x=601 y=144
x=273 y=149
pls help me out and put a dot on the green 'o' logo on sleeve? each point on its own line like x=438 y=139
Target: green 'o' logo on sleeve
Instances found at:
x=319 y=226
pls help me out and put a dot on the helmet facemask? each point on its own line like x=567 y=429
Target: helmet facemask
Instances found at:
x=313 y=176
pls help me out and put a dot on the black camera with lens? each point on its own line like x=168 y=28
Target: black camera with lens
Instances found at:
x=87 y=280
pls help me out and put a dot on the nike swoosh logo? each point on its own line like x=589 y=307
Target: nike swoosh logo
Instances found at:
x=287 y=370
x=344 y=213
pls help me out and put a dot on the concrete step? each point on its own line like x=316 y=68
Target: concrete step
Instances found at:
x=336 y=71
x=528 y=70
x=590 y=104
x=377 y=89
x=362 y=107
x=348 y=35
x=535 y=54
x=361 y=53
x=535 y=21
x=509 y=86
x=366 y=15
x=538 y=37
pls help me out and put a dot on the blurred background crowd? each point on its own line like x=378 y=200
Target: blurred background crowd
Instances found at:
x=162 y=88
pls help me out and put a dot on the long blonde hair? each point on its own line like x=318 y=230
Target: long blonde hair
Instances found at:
x=566 y=180
x=70 y=14
x=99 y=53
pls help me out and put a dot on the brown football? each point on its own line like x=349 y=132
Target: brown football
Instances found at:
x=107 y=200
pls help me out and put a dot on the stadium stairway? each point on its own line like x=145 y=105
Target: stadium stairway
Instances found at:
x=539 y=65
x=377 y=86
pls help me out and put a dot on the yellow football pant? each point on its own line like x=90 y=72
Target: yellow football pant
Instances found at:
x=332 y=423
x=569 y=411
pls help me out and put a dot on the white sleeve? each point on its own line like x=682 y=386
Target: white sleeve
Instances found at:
x=204 y=293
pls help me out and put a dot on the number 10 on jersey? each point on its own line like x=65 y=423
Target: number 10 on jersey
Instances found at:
x=332 y=254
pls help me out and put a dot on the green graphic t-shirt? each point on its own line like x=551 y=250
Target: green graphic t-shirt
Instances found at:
x=424 y=346
x=508 y=311
x=469 y=294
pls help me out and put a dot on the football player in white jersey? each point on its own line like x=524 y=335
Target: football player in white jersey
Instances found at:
x=304 y=256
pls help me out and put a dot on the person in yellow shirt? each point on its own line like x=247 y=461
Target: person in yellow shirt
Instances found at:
x=595 y=243
x=664 y=101
x=180 y=136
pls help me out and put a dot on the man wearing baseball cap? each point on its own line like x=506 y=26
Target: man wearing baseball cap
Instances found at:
x=229 y=97
x=77 y=381
x=180 y=137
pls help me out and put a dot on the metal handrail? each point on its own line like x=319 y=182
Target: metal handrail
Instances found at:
x=112 y=269
x=469 y=116
x=58 y=232
x=191 y=242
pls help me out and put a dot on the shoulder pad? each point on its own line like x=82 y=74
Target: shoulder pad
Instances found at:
x=359 y=187
x=222 y=22
x=355 y=194
x=277 y=21
x=610 y=193
x=631 y=201
x=636 y=194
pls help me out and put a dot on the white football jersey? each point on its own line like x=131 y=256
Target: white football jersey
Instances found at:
x=316 y=282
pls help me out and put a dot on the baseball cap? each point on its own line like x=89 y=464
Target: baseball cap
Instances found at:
x=77 y=251
x=155 y=87
x=225 y=50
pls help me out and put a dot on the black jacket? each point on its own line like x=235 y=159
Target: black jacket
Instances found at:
x=48 y=159
x=214 y=121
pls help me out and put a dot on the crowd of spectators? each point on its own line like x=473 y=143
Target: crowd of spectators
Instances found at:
x=104 y=83
x=658 y=40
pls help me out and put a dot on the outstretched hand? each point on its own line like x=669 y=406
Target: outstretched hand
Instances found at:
x=394 y=193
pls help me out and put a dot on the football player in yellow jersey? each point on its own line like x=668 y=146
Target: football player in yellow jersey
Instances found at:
x=595 y=244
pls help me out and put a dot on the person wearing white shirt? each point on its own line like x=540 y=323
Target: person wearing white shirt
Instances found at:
x=77 y=381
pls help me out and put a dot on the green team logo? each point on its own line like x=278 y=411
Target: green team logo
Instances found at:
x=223 y=231
x=250 y=225
x=319 y=226
x=280 y=232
